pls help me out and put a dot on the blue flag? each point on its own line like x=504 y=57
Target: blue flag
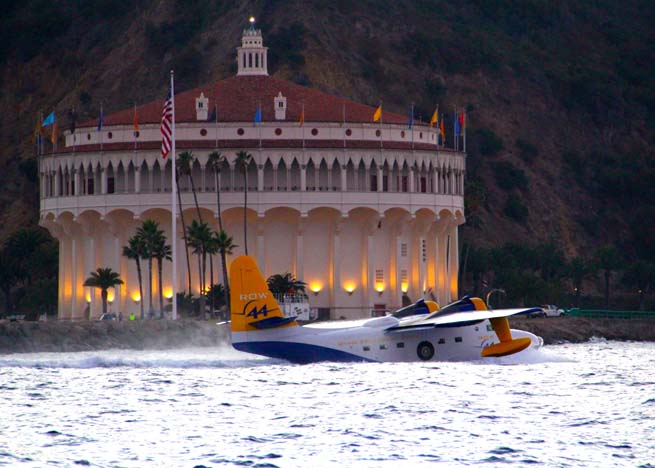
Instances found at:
x=49 y=120
x=258 y=114
x=100 y=118
x=457 y=130
x=410 y=120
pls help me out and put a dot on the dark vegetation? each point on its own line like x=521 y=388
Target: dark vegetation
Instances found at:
x=560 y=97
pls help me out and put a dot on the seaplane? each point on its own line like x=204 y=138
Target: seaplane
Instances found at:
x=461 y=331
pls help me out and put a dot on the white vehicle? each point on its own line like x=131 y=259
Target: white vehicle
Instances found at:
x=463 y=330
x=550 y=310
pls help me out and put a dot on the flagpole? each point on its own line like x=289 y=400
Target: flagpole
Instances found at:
x=173 y=200
x=464 y=129
x=303 y=128
x=100 y=127
x=455 y=142
x=411 y=125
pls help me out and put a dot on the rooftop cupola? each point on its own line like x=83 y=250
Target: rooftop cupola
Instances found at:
x=251 y=56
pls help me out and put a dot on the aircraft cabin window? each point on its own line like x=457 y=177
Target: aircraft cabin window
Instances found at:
x=367 y=348
x=458 y=339
x=383 y=346
x=441 y=341
x=400 y=345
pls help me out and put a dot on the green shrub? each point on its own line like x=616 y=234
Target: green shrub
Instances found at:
x=527 y=151
x=508 y=176
x=515 y=209
x=488 y=142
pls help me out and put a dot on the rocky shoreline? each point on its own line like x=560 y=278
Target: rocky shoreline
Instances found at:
x=61 y=336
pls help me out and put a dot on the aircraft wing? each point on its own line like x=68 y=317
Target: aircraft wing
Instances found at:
x=457 y=319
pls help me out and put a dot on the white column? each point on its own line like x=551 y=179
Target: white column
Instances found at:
x=303 y=178
x=344 y=179
x=103 y=180
x=336 y=264
x=379 y=187
x=260 y=178
x=76 y=182
x=137 y=180
x=411 y=179
x=300 y=248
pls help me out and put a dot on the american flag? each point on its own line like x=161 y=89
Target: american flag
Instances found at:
x=166 y=126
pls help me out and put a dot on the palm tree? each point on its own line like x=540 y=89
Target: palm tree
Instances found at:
x=199 y=235
x=21 y=245
x=242 y=161
x=225 y=246
x=103 y=278
x=608 y=260
x=216 y=161
x=151 y=235
x=136 y=250
x=211 y=249
x=185 y=163
x=161 y=251
x=285 y=284
x=186 y=242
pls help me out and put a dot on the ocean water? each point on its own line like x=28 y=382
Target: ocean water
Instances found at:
x=575 y=405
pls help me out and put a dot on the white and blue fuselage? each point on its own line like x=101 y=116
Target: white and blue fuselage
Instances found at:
x=370 y=340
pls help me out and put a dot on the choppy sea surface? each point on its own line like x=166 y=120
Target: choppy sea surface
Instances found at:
x=575 y=405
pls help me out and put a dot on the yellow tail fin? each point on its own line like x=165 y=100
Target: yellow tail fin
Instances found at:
x=252 y=305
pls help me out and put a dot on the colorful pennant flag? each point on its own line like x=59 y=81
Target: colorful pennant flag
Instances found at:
x=49 y=120
x=135 y=120
x=435 y=118
x=258 y=115
x=378 y=114
x=213 y=117
x=100 y=118
x=53 y=136
x=301 y=120
x=442 y=132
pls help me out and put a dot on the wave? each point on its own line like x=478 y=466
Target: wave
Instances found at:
x=528 y=356
x=206 y=358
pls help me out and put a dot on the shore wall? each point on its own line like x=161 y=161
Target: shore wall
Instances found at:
x=63 y=336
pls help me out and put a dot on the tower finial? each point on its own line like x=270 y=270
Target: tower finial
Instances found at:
x=252 y=23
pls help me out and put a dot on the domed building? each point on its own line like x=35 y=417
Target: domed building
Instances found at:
x=362 y=211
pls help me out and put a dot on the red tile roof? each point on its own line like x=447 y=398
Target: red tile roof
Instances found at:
x=239 y=96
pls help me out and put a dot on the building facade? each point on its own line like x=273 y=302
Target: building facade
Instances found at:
x=362 y=211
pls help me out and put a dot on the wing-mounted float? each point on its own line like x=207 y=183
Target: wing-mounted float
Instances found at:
x=463 y=313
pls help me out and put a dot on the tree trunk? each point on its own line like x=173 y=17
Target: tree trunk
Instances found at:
x=186 y=244
x=211 y=281
x=103 y=295
x=195 y=197
x=161 y=285
x=150 y=287
x=226 y=285
x=218 y=201
x=138 y=272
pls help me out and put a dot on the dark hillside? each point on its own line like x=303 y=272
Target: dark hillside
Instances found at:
x=560 y=94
